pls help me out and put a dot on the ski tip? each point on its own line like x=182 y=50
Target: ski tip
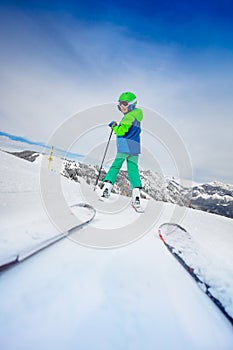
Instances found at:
x=138 y=209
x=161 y=237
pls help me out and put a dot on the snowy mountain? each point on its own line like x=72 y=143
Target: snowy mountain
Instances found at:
x=214 y=197
x=133 y=297
x=27 y=155
x=155 y=185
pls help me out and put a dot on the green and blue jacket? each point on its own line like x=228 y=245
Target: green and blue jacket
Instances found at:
x=128 y=132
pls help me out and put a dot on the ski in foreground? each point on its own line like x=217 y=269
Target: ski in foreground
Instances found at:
x=184 y=248
x=46 y=243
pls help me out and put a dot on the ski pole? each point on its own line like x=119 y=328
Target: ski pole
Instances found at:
x=105 y=152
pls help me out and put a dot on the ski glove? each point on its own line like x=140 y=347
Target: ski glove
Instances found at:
x=113 y=123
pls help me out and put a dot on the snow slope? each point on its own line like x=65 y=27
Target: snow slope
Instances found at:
x=23 y=219
x=24 y=222
x=72 y=297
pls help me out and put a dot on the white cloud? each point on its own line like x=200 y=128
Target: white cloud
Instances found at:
x=53 y=67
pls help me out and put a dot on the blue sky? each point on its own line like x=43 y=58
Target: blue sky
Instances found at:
x=60 y=57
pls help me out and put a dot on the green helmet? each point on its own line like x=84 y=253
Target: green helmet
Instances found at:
x=129 y=97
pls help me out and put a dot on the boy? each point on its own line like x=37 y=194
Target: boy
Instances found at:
x=128 y=147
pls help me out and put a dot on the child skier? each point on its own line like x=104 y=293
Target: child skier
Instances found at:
x=128 y=147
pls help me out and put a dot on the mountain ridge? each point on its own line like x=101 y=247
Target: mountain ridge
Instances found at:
x=213 y=197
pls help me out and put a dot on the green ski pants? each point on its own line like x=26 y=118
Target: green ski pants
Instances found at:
x=132 y=167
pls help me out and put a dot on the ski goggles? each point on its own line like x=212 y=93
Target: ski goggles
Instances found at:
x=123 y=103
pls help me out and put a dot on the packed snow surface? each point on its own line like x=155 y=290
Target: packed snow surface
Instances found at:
x=69 y=296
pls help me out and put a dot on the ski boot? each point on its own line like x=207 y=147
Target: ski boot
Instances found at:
x=106 y=190
x=136 y=201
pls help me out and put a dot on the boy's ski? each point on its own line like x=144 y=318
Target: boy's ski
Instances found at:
x=137 y=208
